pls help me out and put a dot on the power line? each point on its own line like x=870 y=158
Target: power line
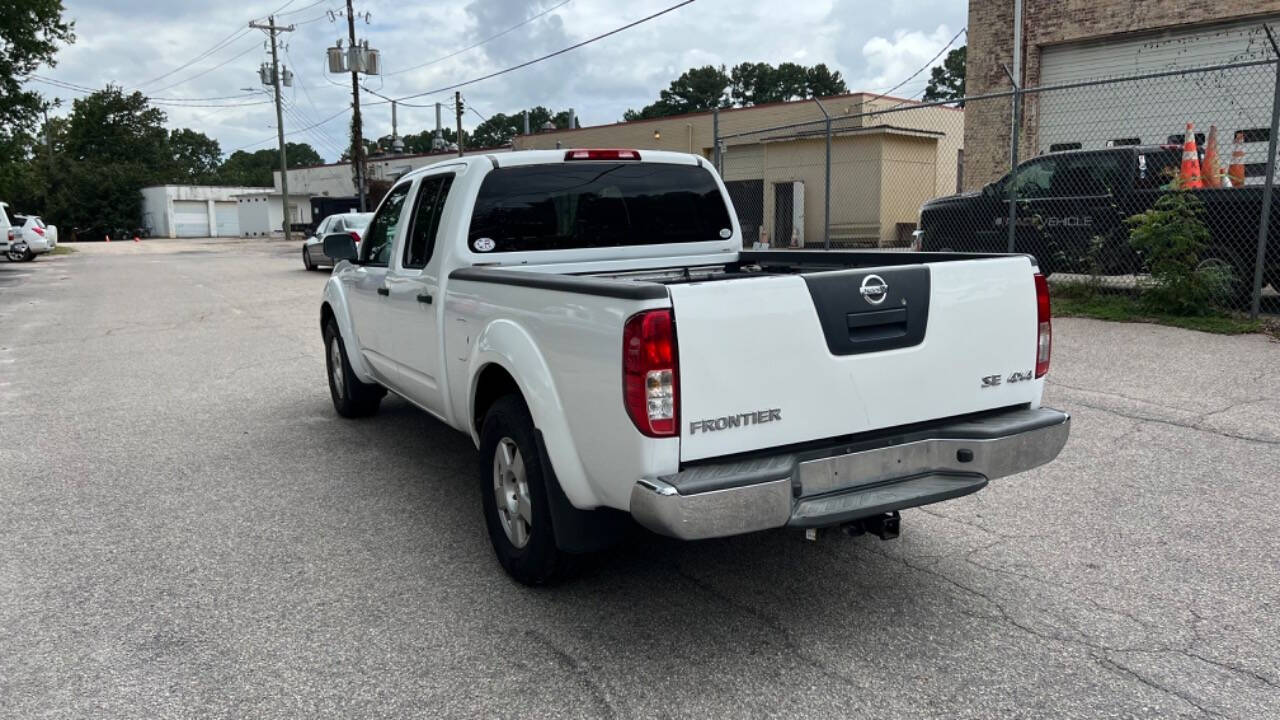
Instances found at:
x=202 y=73
x=926 y=66
x=298 y=10
x=295 y=132
x=213 y=49
x=478 y=44
x=548 y=56
x=155 y=100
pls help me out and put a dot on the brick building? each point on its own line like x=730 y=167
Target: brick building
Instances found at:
x=1066 y=42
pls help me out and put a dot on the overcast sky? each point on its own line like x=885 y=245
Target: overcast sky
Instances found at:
x=874 y=43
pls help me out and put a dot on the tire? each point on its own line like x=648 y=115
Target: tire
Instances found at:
x=21 y=256
x=510 y=468
x=306 y=259
x=351 y=397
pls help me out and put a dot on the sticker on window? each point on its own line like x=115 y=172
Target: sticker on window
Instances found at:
x=726 y=233
x=483 y=244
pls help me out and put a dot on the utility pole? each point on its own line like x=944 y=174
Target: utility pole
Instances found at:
x=357 y=139
x=273 y=29
x=457 y=105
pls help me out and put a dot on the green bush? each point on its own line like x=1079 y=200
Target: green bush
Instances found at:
x=1171 y=236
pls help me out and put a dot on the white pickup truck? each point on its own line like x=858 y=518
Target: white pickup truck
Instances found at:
x=590 y=319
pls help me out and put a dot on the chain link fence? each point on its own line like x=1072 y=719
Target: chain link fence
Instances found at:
x=1106 y=191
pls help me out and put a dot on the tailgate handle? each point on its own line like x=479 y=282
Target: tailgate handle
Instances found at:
x=877 y=324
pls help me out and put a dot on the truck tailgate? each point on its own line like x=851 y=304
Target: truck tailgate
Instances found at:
x=775 y=360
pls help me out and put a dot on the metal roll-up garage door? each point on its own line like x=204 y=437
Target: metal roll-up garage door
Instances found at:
x=191 y=218
x=1150 y=111
x=228 y=218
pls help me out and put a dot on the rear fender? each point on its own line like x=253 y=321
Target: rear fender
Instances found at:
x=508 y=345
x=335 y=296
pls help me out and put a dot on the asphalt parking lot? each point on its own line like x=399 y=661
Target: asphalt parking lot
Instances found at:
x=188 y=530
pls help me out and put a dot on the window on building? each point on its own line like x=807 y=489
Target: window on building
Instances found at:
x=1257 y=135
x=1182 y=138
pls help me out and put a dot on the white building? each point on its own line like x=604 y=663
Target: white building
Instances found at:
x=260 y=213
x=175 y=211
x=335 y=180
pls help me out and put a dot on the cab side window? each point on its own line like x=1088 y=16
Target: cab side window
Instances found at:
x=376 y=247
x=432 y=193
x=1034 y=179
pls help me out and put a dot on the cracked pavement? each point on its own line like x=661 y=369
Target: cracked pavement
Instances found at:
x=188 y=530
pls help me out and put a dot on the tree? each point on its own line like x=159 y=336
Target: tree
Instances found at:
x=30 y=32
x=946 y=81
x=109 y=127
x=500 y=129
x=697 y=90
x=822 y=82
x=196 y=157
x=255 y=169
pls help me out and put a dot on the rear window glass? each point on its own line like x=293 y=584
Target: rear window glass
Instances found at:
x=359 y=222
x=596 y=204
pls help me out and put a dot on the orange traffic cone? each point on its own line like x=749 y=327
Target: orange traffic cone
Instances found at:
x=1212 y=168
x=1236 y=171
x=1189 y=178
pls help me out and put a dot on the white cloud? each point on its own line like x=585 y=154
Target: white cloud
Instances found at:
x=889 y=62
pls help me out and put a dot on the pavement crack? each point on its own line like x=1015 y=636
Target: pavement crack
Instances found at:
x=571 y=665
x=1175 y=423
x=781 y=634
x=1130 y=672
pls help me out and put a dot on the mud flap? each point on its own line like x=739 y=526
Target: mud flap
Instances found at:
x=578 y=531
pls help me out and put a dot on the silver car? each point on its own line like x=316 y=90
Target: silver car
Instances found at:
x=313 y=249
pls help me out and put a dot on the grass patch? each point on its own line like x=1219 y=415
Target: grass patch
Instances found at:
x=62 y=250
x=1081 y=300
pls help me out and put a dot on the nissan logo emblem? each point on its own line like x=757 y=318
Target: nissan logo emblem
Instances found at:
x=874 y=289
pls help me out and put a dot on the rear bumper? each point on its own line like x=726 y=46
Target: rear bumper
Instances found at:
x=851 y=480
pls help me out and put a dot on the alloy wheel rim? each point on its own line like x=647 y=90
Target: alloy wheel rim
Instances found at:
x=511 y=492
x=335 y=367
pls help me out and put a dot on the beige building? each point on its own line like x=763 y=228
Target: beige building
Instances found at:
x=887 y=157
x=1073 y=42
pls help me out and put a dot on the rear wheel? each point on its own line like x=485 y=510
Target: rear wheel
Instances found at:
x=24 y=255
x=514 y=496
x=351 y=397
x=306 y=259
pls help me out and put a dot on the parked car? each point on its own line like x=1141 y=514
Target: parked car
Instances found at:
x=31 y=237
x=6 y=234
x=590 y=319
x=313 y=248
x=1066 y=200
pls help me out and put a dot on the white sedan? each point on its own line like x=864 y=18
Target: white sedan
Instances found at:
x=28 y=237
x=353 y=224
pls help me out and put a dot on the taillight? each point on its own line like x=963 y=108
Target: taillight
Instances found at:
x=650 y=373
x=355 y=236
x=38 y=230
x=606 y=154
x=1044 y=334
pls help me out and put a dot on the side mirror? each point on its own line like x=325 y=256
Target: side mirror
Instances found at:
x=340 y=246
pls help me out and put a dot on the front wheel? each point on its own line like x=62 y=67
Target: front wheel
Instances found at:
x=351 y=397
x=306 y=259
x=513 y=492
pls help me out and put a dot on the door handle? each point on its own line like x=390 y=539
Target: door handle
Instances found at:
x=424 y=298
x=383 y=291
